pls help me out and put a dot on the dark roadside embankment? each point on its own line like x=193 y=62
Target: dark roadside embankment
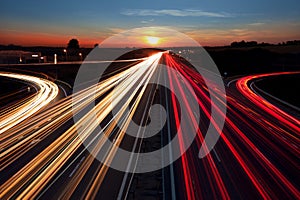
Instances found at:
x=284 y=87
x=12 y=90
x=282 y=91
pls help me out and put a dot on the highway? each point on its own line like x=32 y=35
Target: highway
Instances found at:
x=42 y=153
x=38 y=172
x=258 y=150
x=46 y=91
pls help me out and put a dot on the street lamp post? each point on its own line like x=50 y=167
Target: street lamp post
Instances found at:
x=55 y=58
x=66 y=52
x=80 y=55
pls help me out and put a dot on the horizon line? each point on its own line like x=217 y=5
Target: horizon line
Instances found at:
x=92 y=46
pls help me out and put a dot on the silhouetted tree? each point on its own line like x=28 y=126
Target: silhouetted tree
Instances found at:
x=244 y=44
x=238 y=44
x=234 y=44
x=251 y=43
x=73 y=44
x=295 y=42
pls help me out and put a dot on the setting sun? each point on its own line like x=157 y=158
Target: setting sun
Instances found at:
x=152 y=40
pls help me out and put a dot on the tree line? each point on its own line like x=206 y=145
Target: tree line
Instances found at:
x=244 y=43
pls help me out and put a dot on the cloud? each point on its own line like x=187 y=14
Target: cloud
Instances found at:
x=174 y=13
x=116 y=30
x=147 y=21
x=256 y=24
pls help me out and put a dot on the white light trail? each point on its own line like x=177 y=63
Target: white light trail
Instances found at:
x=46 y=92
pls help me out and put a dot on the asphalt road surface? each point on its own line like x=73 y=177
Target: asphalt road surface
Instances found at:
x=43 y=155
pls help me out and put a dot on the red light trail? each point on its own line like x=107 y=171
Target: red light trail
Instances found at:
x=257 y=155
x=253 y=172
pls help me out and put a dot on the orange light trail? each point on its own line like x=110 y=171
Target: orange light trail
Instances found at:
x=46 y=92
x=252 y=148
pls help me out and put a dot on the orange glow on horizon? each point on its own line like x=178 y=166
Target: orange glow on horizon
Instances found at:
x=42 y=39
x=150 y=38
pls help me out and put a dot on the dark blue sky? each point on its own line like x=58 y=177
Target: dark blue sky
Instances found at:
x=214 y=22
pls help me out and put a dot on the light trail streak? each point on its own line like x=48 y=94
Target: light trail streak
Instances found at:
x=258 y=148
x=289 y=120
x=262 y=188
x=210 y=165
x=186 y=171
x=46 y=92
x=60 y=113
x=44 y=166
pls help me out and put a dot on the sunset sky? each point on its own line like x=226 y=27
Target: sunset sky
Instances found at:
x=210 y=22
